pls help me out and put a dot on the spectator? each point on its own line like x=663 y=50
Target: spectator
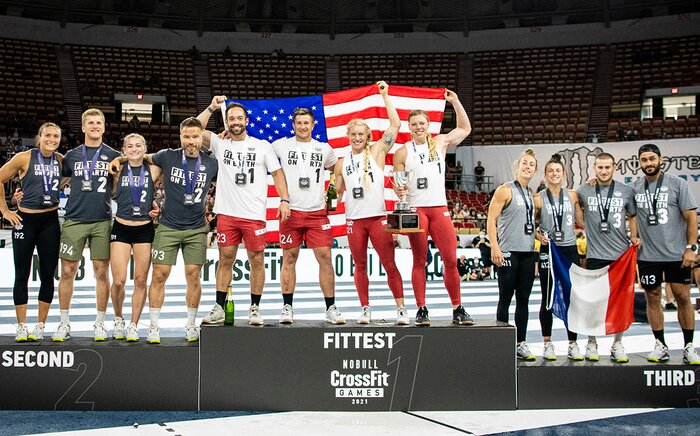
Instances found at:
x=479 y=171
x=481 y=241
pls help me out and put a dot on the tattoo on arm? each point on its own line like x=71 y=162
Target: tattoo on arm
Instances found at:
x=388 y=139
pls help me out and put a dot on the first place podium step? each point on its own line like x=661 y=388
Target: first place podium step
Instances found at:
x=311 y=365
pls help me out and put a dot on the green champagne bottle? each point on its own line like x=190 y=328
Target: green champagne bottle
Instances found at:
x=331 y=196
x=229 y=307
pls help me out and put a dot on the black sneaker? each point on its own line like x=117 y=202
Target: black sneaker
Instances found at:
x=670 y=307
x=422 y=316
x=461 y=317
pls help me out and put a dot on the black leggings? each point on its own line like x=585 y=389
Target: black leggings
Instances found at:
x=570 y=252
x=516 y=277
x=40 y=230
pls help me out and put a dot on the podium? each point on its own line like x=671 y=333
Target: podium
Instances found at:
x=310 y=365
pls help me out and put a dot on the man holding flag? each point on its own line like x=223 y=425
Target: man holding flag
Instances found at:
x=604 y=206
x=665 y=206
x=241 y=202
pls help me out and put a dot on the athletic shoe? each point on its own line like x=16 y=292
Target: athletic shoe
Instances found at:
x=574 y=353
x=22 y=333
x=617 y=353
x=461 y=317
x=402 y=316
x=62 y=333
x=660 y=353
x=524 y=353
x=100 y=332
x=366 y=316
x=592 y=351
x=119 y=328
x=216 y=315
x=254 y=317
x=422 y=316
x=38 y=333
x=333 y=315
x=690 y=357
x=287 y=316
x=132 y=333
x=153 y=335
x=191 y=333
x=670 y=307
x=549 y=352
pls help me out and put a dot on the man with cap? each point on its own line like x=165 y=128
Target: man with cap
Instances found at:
x=664 y=206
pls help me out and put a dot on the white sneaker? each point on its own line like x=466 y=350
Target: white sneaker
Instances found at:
x=100 y=332
x=574 y=353
x=153 y=335
x=523 y=352
x=216 y=315
x=119 y=328
x=333 y=315
x=191 y=333
x=592 y=351
x=365 y=316
x=549 y=352
x=402 y=316
x=62 y=333
x=660 y=353
x=254 y=317
x=38 y=333
x=287 y=316
x=22 y=332
x=617 y=353
x=132 y=333
x=690 y=357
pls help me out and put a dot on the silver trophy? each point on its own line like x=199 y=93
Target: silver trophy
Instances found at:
x=402 y=220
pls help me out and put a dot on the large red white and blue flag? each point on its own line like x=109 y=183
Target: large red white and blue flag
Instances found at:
x=272 y=119
x=594 y=302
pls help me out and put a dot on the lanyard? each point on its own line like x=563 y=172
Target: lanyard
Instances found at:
x=304 y=167
x=652 y=204
x=190 y=182
x=48 y=177
x=558 y=211
x=87 y=171
x=604 y=209
x=242 y=156
x=355 y=169
x=527 y=199
x=136 y=189
x=415 y=152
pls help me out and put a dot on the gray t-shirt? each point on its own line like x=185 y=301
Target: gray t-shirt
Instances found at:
x=124 y=199
x=610 y=245
x=548 y=215
x=33 y=181
x=511 y=222
x=96 y=204
x=665 y=241
x=176 y=214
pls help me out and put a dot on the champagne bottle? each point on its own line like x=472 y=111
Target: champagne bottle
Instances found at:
x=229 y=307
x=331 y=196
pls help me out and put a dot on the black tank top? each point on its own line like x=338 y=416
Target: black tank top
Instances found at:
x=34 y=180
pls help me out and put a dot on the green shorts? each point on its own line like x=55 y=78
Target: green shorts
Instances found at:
x=168 y=241
x=75 y=234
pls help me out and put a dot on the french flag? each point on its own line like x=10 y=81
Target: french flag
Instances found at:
x=594 y=302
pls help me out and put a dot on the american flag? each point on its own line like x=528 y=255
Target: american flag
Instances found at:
x=272 y=119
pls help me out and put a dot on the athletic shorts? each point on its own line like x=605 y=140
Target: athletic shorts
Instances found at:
x=593 y=263
x=142 y=234
x=232 y=230
x=75 y=234
x=651 y=274
x=168 y=241
x=312 y=227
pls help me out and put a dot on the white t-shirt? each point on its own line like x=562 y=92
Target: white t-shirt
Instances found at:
x=372 y=202
x=250 y=159
x=305 y=163
x=427 y=172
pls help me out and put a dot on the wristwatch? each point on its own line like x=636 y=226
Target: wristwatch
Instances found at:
x=693 y=247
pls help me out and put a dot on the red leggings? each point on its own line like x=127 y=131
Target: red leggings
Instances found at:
x=358 y=233
x=437 y=223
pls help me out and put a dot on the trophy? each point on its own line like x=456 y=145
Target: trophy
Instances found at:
x=402 y=220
